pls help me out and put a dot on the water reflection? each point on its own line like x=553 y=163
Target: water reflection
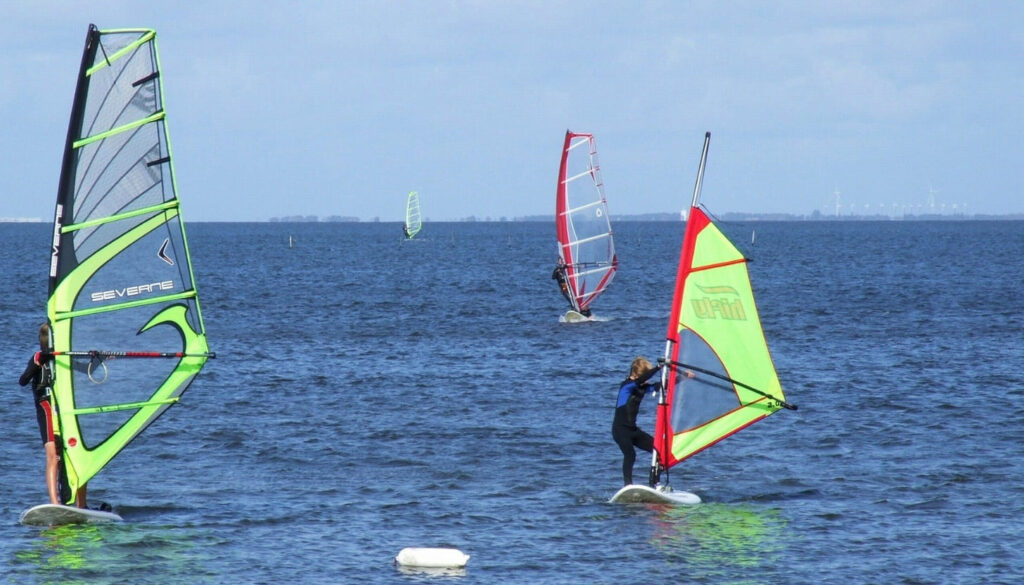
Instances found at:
x=730 y=541
x=62 y=554
x=431 y=572
x=88 y=554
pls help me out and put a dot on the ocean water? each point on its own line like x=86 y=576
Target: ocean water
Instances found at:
x=371 y=394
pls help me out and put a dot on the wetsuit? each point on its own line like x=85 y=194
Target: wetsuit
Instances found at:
x=624 y=429
x=559 y=275
x=39 y=377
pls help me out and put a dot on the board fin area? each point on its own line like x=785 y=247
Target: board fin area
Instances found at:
x=642 y=494
x=59 y=515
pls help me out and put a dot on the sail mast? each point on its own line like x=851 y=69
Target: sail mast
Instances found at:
x=660 y=456
x=63 y=211
x=562 y=225
x=700 y=170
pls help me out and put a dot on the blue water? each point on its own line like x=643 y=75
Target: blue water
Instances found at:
x=371 y=394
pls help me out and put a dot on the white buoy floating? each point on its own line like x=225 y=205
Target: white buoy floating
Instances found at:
x=432 y=558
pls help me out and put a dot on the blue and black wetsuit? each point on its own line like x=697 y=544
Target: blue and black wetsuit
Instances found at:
x=624 y=430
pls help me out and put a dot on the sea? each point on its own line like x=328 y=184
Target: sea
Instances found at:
x=371 y=394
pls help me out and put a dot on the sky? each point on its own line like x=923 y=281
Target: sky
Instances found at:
x=280 y=108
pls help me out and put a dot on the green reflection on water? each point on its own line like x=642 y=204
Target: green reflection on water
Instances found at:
x=733 y=542
x=93 y=554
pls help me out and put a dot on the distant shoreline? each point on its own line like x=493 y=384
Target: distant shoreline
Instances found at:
x=732 y=216
x=653 y=217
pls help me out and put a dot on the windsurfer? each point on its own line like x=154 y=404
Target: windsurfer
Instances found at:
x=38 y=373
x=559 y=275
x=624 y=429
x=405 y=229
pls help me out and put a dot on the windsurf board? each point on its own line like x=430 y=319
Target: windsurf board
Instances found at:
x=57 y=515
x=575 y=317
x=642 y=494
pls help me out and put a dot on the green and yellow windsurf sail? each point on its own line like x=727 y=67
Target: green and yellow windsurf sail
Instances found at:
x=121 y=282
x=413 y=222
x=720 y=378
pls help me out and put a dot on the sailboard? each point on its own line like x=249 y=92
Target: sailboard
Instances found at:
x=127 y=334
x=572 y=316
x=719 y=377
x=583 y=227
x=642 y=494
x=59 y=515
x=413 y=223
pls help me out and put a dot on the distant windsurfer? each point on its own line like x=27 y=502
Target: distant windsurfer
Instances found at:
x=563 y=284
x=405 y=230
x=40 y=374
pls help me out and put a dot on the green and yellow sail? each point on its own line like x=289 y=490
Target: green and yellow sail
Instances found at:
x=413 y=221
x=121 y=283
x=720 y=378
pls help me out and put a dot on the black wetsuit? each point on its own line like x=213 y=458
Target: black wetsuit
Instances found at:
x=624 y=430
x=35 y=374
x=559 y=275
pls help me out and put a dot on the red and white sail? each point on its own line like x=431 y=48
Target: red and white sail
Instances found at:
x=584 y=229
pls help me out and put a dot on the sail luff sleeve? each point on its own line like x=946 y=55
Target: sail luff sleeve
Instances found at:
x=62 y=263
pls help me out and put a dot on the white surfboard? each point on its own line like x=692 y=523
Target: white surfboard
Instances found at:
x=57 y=515
x=575 y=317
x=642 y=494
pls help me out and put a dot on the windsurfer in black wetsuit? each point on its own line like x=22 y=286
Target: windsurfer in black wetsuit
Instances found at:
x=39 y=374
x=559 y=275
x=405 y=230
x=624 y=430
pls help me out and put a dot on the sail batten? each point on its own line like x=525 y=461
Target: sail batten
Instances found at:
x=584 y=208
x=115 y=131
x=119 y=217
x=583 y=227
x=580 y=175
x=120 y=271
x=128 y=305
x=587 y=241
x=108 y=60
x=116 y=407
